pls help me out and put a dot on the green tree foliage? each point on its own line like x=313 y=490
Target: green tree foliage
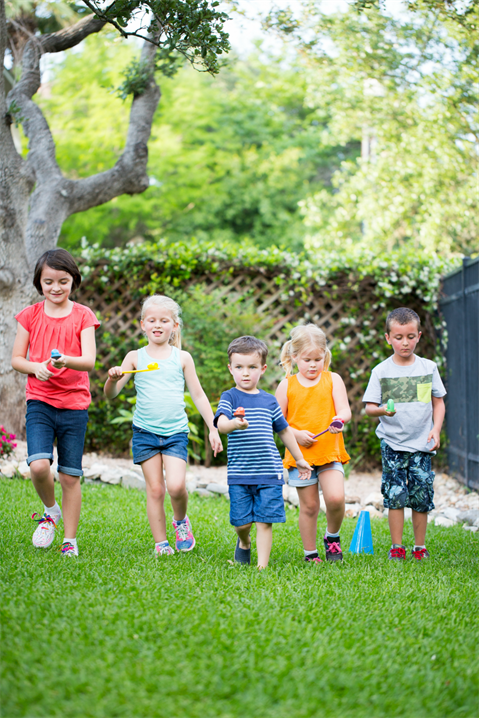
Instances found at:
x=407 y=87
x=229 y=158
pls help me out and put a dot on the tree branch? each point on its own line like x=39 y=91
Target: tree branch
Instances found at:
x=129 y=175
x=41 y=156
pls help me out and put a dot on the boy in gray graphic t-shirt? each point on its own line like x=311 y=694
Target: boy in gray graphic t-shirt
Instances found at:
x=410 y=433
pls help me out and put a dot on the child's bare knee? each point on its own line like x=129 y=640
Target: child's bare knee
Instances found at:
x=310 y=509
x=40 y=469
x=177 y=492
x=336 y=503
x=156 y=492
x=67 y=481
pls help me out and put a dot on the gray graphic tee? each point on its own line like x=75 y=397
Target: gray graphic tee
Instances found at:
x=411 y=388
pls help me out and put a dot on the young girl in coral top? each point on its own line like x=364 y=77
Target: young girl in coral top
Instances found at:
x=58 y=392
x=310 y=400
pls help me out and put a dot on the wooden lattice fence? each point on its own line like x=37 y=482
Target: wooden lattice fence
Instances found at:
x=345 y=310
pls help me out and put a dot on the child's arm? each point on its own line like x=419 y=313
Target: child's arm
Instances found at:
x=341 y=402
x=376 y=410
x=289 y=440
x=200 y=400
x=438 y=413
x=19 y=357
x=226 y=426
x=86 y=361
x=116 y=379
x=302 y=436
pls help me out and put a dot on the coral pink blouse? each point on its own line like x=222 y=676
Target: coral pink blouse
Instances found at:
x=67 y=388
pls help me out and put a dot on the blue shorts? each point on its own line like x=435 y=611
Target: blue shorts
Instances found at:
x=252 y=503
x=407 y=479
x=294 y=479
x=45 y=423
x=145 y=445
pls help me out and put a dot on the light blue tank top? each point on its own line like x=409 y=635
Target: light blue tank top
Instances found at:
x=160 y=402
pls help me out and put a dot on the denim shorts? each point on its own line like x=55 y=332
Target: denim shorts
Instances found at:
x=294 y=479
x=145 y=445
x=251 y=503
x=45 y=423
x=407 y=479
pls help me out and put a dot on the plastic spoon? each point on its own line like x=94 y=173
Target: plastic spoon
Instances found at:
x=149 y=367
x=336 y=424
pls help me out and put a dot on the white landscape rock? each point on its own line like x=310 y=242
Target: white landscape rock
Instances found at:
x=473 y=529
x=95 y=471
x=443 y=521
x=375 y=499
x=191 y=485
x=373 y=512
x=293 y=497
x=217 y=488
x=9 y=469
x=24 y=470
x=322 y=503
x=451 y=513
x=111 y=476
x=352 y=510
x=132 y=480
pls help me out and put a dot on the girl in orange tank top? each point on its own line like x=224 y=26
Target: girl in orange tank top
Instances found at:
x=310 y=400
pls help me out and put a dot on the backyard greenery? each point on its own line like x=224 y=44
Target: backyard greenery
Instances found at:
x=364 y=284
x=118 y=633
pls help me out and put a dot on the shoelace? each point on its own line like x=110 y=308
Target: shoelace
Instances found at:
x=419 y=554
x=398 y=553
x=67 y=547
x=334 y=547
x=314 y=560
x=182 y=531
x=44 y=520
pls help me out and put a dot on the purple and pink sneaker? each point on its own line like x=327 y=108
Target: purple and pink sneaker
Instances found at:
x=333 y=548
x=185 y=541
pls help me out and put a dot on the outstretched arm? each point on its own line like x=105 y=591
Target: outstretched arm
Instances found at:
x=200 y=400
x=116 y=379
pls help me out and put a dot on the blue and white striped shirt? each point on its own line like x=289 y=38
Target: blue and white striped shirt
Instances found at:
x=253 y=457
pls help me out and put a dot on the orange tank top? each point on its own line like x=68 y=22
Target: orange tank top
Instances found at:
x=312 y=408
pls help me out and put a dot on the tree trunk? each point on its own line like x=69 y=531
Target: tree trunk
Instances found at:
x=35 y=198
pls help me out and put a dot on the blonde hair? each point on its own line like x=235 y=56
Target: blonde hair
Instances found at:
x=306 y=336
x=160 y=300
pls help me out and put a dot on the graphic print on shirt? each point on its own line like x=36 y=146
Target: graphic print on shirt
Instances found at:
x=407 y=389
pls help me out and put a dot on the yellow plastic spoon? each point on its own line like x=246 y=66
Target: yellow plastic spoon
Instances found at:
x=150 y=367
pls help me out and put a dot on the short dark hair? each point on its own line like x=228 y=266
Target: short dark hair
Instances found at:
x=57 y=259
x=248 y=345
x=402 y=315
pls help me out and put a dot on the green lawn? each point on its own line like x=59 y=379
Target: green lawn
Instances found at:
x=119 y=633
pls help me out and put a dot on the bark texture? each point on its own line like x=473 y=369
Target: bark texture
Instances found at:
x=35 y=197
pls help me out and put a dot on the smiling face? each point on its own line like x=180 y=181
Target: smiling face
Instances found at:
x=310 y=362
x=158 y=324
x=56 y=285
x=246 y=370
x=403 y=338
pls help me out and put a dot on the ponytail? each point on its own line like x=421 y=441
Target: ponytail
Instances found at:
x=286 y=359
x=303 y=337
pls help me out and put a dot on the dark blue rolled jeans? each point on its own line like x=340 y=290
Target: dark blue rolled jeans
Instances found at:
x=45 y=423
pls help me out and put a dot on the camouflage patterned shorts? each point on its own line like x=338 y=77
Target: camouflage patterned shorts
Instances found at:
x=407 y=479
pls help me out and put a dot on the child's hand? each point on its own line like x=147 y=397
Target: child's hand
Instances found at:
x=434 y=435
x=305 y=438
x=215 y=441
x=304 y=469
x=240 y=422
x=60 y=362
x=385 y=412
x=336 y=430
x=41 y=371
x=115 y=373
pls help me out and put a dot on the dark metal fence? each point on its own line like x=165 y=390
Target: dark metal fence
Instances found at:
x=460 y=308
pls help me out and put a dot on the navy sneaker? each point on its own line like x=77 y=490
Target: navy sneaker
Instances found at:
x=242 y=555
x=332 y=544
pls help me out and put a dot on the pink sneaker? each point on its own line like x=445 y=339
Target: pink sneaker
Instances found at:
x=164 y=550
x=185 y=541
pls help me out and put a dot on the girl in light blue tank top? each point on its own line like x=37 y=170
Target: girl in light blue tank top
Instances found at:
x=160 y=423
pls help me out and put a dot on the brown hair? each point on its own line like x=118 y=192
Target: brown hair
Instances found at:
x=304 y=337
x=160 y=300
x=58 y=259
x=248 y=345
x=402 y=315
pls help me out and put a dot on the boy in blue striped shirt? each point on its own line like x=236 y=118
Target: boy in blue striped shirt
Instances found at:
x=255 y=469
